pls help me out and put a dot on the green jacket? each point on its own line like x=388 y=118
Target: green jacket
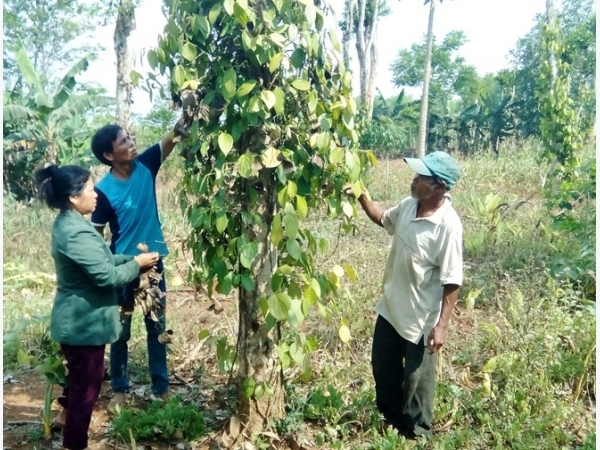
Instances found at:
x=85 y=309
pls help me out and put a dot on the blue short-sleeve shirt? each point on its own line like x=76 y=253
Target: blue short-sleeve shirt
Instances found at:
x=130 y=208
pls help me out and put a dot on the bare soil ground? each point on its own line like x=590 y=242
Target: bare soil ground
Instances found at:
x=23 y=397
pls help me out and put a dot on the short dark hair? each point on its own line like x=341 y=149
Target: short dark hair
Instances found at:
x=56 y=184
x=102 y=142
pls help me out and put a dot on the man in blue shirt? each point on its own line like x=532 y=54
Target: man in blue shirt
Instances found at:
x=127 y=203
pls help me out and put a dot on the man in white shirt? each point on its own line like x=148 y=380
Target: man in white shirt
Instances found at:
x=420 y=288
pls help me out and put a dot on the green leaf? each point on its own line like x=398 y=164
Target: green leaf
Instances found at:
x=27 y=70
x=228 y=6
x=295 y=316
x=240 y=12
x=283 y=354
x=292 y=189
x=179 y=75
x=313 y=100
x=247 y=42
x=334 y=40
x=152 y=59
x=337 y=155
x=203 y=25
x=351 y=272
x=291 y=225
x=203 y=334
x=325 y=123
x=285 y=269
x=348 y=119
x=293 y=248
x=282 y=196
x=348 y=209
x=277 y=39
x=248 y=386
x=292 y=31
x=225 y=143
x=301 y=207
x=245 y=165
x=323 y=246
x=245 y=88
x=301 y=85
x=214 y=12
x=310 y=13
x=268 y=98
x=491 y=365
x=275 y=62
x=276 y=230
x=271 y=157
x=316 y=287
x=279 y=305
x=188 y=51
x=221 y=222
x=229 y=84
x=298 y=57
x=279 y=100
x=248 y=253
x=323 y=141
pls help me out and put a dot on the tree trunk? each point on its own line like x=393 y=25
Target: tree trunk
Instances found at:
x=256 y=345
x=350 y=7
x=426 y=78
x=125 y=25
x=370 y=98
x=365 y=40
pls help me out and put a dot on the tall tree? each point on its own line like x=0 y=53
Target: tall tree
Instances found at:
x=360 y=22
x=272 y=136
x=51 y=32
x=123 y=28
x=366 y=48
x=426 y=78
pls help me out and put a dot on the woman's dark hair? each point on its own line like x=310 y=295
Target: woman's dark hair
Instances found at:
x=58 y=184
x=103 y=140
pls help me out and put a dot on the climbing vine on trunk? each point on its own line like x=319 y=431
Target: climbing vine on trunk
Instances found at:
x=272 y=139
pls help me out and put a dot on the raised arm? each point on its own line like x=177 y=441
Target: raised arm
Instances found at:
x=373 y=210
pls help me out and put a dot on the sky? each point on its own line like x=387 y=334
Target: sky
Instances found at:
x=492 y=28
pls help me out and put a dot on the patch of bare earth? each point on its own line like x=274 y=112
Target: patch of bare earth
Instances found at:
x=189 y=312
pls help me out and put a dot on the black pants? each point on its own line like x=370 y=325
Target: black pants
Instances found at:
x=404 y=380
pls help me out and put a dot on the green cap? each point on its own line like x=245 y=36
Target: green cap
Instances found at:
x=437 y=164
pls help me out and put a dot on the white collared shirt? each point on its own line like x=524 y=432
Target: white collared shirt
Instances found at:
x=426 y=254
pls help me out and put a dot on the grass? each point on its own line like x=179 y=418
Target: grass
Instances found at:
x=519 y=371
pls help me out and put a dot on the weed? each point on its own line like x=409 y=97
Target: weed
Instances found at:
x=159 y=421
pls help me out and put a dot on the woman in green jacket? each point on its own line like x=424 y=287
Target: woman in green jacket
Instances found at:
x=85 y=312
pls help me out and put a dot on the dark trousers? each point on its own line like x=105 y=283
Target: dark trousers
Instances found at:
x=86 y=369
x=157 y=352
x=404 y=380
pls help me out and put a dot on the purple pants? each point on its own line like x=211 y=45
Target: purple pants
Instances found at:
x=86 y=370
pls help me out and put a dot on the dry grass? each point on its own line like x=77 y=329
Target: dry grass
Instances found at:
x=510 y=270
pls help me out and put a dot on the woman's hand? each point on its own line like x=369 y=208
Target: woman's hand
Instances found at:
x=147 y=260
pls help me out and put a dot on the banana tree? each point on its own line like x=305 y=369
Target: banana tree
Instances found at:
x=469 y=127
x=40 y=126
x=497 y=107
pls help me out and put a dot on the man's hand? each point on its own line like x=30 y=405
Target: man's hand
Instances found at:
x=437 y=337
x=347 y=189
